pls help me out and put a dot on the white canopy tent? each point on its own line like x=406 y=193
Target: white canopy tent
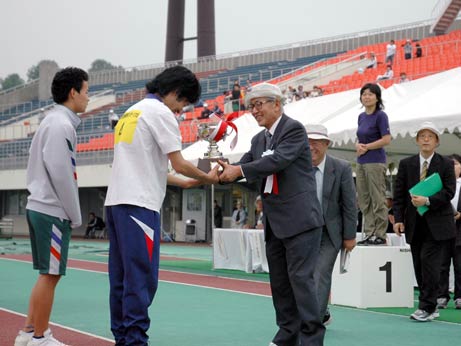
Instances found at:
x=434 y=98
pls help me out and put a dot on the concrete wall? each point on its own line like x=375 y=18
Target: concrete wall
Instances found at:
x=88 y=176
x=22 y=94
x=47 y=70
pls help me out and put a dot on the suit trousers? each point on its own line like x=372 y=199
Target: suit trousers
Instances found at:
x=324 y=269
x=371 y=193
x=427 y=261
x=451 y=251
x=292 y=263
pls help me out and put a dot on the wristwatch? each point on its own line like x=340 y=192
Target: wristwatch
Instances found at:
x=428 y=203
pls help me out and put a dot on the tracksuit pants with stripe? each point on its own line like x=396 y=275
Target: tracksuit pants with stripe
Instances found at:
x=134 y=254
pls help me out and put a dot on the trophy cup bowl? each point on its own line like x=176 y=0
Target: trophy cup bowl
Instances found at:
x=211 y=132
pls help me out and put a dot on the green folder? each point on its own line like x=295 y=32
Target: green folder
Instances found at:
x=427 y=187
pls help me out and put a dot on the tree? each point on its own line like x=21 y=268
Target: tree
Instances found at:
x=12 y=81
x=33 y=71
x=101 y=65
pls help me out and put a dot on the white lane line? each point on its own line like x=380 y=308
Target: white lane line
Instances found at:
x=61 y=326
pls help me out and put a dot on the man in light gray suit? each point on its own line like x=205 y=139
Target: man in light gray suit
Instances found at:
x=336 y=193
x=280 y=160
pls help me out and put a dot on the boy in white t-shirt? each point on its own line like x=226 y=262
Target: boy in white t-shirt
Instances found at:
x=390 y=52
x=146 y=137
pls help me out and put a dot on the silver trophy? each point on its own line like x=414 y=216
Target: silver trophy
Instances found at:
x=212 y=132
x=207 y=131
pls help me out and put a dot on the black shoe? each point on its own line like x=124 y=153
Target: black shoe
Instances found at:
x=365 y=242
x=379 y=241
x=327 y=319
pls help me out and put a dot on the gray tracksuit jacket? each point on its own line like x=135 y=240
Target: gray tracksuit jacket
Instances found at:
x=51 y=170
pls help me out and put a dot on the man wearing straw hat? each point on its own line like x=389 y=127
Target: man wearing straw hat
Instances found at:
x=336 y=193
x=280 y=161
x=429 y=233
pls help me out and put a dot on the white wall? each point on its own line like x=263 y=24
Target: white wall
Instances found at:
x=88 y=176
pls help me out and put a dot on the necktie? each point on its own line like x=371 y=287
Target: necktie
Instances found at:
x=423 y=171
x=319 y=183
x=237 y=217
x=268 y=136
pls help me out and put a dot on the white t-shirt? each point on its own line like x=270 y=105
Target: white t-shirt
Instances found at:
x=143 y=137
x=390 y=49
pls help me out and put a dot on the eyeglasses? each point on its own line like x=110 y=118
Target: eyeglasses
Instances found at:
x=258 y=104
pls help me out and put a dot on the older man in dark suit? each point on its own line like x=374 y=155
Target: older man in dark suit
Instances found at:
x=337 y=196
x=279 y=159
x=430 y=233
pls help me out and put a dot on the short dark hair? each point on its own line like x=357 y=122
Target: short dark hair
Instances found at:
x=65 y=80
x=375 y=89
x=455 y=157
x=178 y=79
x=92 y=213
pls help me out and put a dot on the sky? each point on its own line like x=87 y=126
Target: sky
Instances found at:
x=132 y=32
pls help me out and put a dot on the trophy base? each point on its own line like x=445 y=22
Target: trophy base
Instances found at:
x=207 y=164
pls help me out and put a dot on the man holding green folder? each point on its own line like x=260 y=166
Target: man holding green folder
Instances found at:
x=424 y=187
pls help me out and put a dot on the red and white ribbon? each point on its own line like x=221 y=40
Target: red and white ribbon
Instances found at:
x=220 y=132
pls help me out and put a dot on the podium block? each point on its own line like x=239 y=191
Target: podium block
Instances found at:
x=377 y=276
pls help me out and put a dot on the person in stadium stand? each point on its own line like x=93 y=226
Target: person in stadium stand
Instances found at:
x=205 y=112
x=404 y=78
x=373 y=63
x=407 y=49
x=419 y=51
x=389 y=74
x=113 y=119
x=390 y=52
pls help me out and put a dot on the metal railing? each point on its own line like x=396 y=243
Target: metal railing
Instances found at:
x=289 y=51
x=439 y=8
x=14 y=154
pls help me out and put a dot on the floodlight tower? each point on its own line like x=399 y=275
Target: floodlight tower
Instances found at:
x=206 y=41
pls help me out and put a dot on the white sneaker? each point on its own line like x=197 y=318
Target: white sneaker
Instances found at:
x=458 y=303
x=47 y=340
x=442 y=303
x=23 y=338
x=422 y=316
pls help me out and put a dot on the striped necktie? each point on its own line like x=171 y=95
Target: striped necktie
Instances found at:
x=268 y=136
x=423 y=171
x=319 y=183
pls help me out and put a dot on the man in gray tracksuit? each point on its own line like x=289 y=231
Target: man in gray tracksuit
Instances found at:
x=53 y=207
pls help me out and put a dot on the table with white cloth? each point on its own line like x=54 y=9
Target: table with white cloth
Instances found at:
x=239 y=249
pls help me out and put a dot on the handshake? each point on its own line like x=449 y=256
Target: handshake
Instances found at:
x=223 y=172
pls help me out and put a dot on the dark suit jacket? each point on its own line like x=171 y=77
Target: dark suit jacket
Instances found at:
x=458 y=223
x=439 y=217
x=296 y=208
x=339 y=201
